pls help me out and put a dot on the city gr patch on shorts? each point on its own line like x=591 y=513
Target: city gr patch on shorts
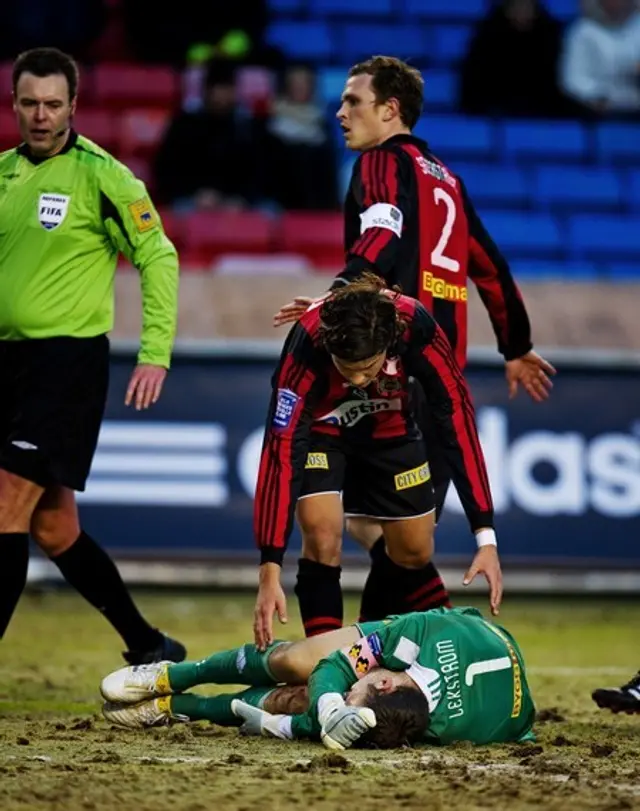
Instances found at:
x=383 y=479
x=53 y=395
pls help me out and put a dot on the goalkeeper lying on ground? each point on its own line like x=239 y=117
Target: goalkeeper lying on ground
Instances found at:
x=438 y=676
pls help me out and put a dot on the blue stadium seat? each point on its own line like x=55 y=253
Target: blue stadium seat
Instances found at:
x=449 y=43
x=331 y=84
x=447 y=9
x=538 y=269
x=458 y=137
x=633 y=188
x=618 y=142
x=494 y=186
x=441 y=89
x=544 y=139
x=361 y=41
x=564 y=10
x=624 y=271
x=352 y=8
x=577 y=187
x=605 y=237
x=524 y=234
x=302 y=40
x=277 y=7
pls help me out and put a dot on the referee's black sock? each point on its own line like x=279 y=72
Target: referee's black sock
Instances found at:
x=92 y=573
x=319 y=596
x=14 y=557
x=393 y=589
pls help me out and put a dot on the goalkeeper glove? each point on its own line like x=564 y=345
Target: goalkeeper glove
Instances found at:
x=342 y=725
x=260 y=722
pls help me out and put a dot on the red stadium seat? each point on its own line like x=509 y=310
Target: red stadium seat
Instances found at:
x=318 y=236
x=121 y=86
x=6 y=83
x=97 y=125
x=141 y=131
x=208 y=234
x=9 y=135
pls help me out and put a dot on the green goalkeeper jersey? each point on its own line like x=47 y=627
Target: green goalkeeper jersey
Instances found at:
x=471 y=672
x=63 y=222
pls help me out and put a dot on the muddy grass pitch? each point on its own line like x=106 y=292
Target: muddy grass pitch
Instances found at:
x=57 y=753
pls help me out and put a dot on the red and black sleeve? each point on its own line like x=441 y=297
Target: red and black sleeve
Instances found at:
x=285 y=446
x=431 y=361
x=379 y=203
x=490 y=272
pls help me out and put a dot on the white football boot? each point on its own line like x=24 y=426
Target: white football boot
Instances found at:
x=129 y=685
x=154 y=713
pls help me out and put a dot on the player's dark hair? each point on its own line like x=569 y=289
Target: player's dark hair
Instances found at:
x=359 y=320
x=47 y=62
x=394 y=79
x=402 y=718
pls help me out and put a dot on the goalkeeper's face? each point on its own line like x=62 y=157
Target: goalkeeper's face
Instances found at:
x=365 y=123
x=378 y=681
x=44 y=111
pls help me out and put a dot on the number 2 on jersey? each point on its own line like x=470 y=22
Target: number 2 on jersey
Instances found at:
x=438 y=257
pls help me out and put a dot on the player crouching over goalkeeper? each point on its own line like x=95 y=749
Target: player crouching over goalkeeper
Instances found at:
x=439 y=676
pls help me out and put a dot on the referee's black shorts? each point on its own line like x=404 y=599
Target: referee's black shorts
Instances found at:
x=53 y=393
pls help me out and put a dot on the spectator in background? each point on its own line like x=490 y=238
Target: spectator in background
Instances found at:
x=301 y=157
x=512 y=62
x=600 y=65
x=210 y=157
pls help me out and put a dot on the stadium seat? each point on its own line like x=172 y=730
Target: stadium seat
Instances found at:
x=441 y=89
x=6 y=83
x=618 y=143
x=447 y=9
x=208 y=234
x=9 y=136
x=277 y=7
x=494 y=186
x=120 y=86
x=318 y=236
x=353 y=8
x=141 y=131
x=458 y=137
x=359 y=41
x=541 y=269
x=623 y=271
x=99 y=126
x=302 y=40
x=632 y=182
x=525 y=234
x=331 y=84
x=605 y=237
x=544 y=140
x=564 y=10
x=449 y=43
x=577 y=187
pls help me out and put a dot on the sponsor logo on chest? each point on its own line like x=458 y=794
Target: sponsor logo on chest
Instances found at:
x=348 y=414
x=52 y=210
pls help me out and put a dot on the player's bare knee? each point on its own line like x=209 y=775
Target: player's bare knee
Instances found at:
x=410 y=557
x=322 y=541
x=283 y=663
x=53 y=532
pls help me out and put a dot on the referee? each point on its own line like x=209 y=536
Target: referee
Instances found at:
x=67 y=209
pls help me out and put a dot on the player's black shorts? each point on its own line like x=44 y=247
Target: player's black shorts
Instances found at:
x=52 y=398
x=384 y=479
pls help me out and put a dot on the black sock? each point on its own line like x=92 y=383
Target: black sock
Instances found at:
x=319 y=596
x=14 y=549
x=393 y=589
x=88 y=568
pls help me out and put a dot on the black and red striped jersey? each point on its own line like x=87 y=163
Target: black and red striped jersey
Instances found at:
x=309 y=395
x=410 y=219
